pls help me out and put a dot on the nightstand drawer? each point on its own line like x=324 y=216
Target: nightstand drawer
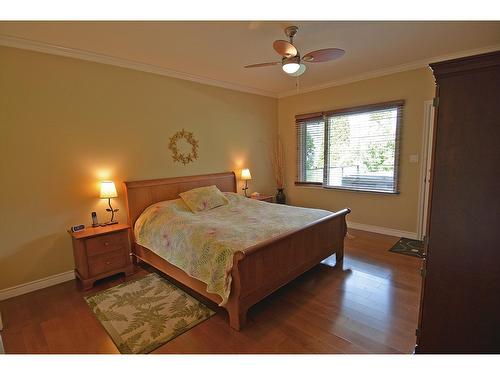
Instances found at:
x=100 y=252
x=106 y=262
x=106 y=243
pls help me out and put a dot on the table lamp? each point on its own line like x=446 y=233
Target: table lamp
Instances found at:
x=245 y=176
x=108 y=190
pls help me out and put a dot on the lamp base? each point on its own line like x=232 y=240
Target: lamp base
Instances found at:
x=245 y=188
x=111 y=222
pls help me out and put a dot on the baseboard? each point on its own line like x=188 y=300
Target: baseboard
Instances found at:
x=382 y=230
x=36 y=285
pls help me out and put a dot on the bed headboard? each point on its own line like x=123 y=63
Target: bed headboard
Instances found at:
x=141 y=194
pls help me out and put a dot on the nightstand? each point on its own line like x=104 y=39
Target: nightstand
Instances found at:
x=100 y=252
x=264 y=198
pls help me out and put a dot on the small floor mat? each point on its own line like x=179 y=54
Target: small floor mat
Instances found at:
x=141 y=315
x=410 y=247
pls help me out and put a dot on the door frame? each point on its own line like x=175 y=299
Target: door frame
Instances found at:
x=426 y=152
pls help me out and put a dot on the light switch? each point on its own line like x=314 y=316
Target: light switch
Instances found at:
x=414 y=158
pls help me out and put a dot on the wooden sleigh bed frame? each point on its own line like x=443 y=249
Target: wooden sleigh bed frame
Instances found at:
x=257 y=271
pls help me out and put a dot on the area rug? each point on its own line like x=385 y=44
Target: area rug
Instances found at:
x=410 y=247
x=143 y=314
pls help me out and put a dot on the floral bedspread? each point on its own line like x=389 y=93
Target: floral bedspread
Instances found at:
x=202 y=244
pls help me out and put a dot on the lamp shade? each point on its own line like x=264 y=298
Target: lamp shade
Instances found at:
x=245 y=174
x=108 y=189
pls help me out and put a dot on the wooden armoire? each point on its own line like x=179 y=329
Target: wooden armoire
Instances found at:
x=460 y=305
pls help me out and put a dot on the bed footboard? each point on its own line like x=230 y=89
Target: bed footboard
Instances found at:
x=264 y=268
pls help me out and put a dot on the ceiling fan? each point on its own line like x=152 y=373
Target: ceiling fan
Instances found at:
x=291 y=62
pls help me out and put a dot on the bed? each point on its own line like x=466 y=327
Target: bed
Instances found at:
x=255 y=271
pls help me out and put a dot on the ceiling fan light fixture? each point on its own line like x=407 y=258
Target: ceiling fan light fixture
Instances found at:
x=299 y=72
x=291 y=64
x=291 y=67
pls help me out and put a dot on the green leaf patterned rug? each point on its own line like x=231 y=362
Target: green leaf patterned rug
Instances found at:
x=410 y=247
x=143 y=314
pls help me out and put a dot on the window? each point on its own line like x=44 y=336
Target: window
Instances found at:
x=353 y=149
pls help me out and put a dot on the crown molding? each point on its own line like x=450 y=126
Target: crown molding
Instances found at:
x=28 y=44
x=32 y=45
x=391 y=70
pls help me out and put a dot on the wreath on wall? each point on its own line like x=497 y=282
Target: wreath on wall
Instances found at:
x=184 y=158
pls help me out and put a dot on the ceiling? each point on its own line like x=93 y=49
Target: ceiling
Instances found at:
x=218 y=50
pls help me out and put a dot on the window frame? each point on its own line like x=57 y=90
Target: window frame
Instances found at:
x=398 y=104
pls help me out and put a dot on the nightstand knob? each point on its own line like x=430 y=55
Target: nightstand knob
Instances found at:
x=106 y=243
x=108 y=263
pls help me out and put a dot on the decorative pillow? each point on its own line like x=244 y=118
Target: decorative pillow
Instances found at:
x=203 y=198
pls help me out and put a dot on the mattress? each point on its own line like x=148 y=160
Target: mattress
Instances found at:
x=203 y=244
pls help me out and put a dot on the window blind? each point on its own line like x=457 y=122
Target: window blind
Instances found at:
x=353 y=149
x=310 y=150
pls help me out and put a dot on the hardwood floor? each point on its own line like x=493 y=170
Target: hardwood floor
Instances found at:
x=370 y=305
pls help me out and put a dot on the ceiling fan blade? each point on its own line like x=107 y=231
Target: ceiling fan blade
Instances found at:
x=262 y=64
x=322 y=55
x=284 y=48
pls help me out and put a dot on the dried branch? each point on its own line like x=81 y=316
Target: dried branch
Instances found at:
x=278 y=161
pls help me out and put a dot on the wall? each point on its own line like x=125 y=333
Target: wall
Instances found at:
x=65 y=124
x=390 y=211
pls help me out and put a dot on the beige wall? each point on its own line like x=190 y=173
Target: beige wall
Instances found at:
x=391 y=211
x=65 y=124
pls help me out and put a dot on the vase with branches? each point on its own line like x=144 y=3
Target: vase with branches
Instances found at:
x=278 y=161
